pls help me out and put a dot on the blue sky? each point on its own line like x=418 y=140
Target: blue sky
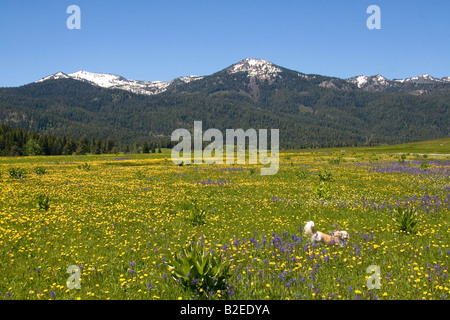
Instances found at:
x=165 y=39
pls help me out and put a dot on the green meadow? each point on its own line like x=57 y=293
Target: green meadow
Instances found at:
x=138 y=226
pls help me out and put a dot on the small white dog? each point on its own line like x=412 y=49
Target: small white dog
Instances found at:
x=337 y=236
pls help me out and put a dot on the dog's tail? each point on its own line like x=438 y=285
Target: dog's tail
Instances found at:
x=309 y=228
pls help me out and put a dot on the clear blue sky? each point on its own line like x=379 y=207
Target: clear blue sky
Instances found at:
x=165 y=39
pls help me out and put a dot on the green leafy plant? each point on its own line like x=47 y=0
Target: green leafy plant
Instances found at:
x=402 y=158
x=406 y=219
x=43 y=201
x=198 y=269
x=325 y=175
x=424 y=166
x=40 y=170
x=252 y=171
x=198 y=213
x=17 y=173
x=337 y=160
x=322 y=190
x=85 y=166
x=302 y=174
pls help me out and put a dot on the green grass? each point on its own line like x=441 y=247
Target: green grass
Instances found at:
x=438 y=146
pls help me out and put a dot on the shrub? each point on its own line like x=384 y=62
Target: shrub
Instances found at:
x=336 y=160
x=406 y=219
x=199 y=269
x=17 y=173
x=302 y=174
x=198 y=214
x=40 y=170
x=43 y=201
x=322 y=190
x=424 y=166
x=325 y=175
x=85 y=166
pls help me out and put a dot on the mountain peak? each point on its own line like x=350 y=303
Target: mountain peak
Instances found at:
x=255 y=68
x=58 y=75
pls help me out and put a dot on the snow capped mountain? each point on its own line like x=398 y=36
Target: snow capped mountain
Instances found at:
x=255 y=69
x=364 y=81
x=261 y=69
x=113 y=81
x=380 y=83
x=58 y=75
x=425 y=78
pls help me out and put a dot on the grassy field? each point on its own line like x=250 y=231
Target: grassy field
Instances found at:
x=122 y=219
x=438 y=146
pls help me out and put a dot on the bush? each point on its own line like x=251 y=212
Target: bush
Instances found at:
x=40 y=170
x=198 y=214
x=43 y=201
x=402 y=158
x=424 y=166
x=302 y=174
x=17 y=173
x=325 y=175
x=336 y=160
x=406 y=219
x=322 y=190
x=85 y=166
x=199 y=269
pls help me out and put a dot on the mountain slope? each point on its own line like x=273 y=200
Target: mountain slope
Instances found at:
x=259 y=69
x=309 y=110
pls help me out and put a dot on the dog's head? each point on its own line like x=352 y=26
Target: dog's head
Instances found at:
x=343 y=235
x=309 y=228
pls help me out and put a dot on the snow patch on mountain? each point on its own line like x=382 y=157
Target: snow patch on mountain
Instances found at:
x=190 y=78
x=261 y=69
x=112 y=81
x=58 y=75
x=363 y=81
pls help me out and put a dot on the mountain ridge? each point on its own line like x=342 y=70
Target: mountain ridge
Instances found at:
x=309 y=110
x=258 y=68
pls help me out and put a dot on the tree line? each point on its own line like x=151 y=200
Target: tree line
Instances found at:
x=20 y=142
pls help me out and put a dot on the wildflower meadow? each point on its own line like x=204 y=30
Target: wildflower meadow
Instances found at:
x=138 y=226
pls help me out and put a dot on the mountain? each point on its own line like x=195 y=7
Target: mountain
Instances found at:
x=260 y=69
x=113 y=81
x=415 y=85
x=310 y=110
